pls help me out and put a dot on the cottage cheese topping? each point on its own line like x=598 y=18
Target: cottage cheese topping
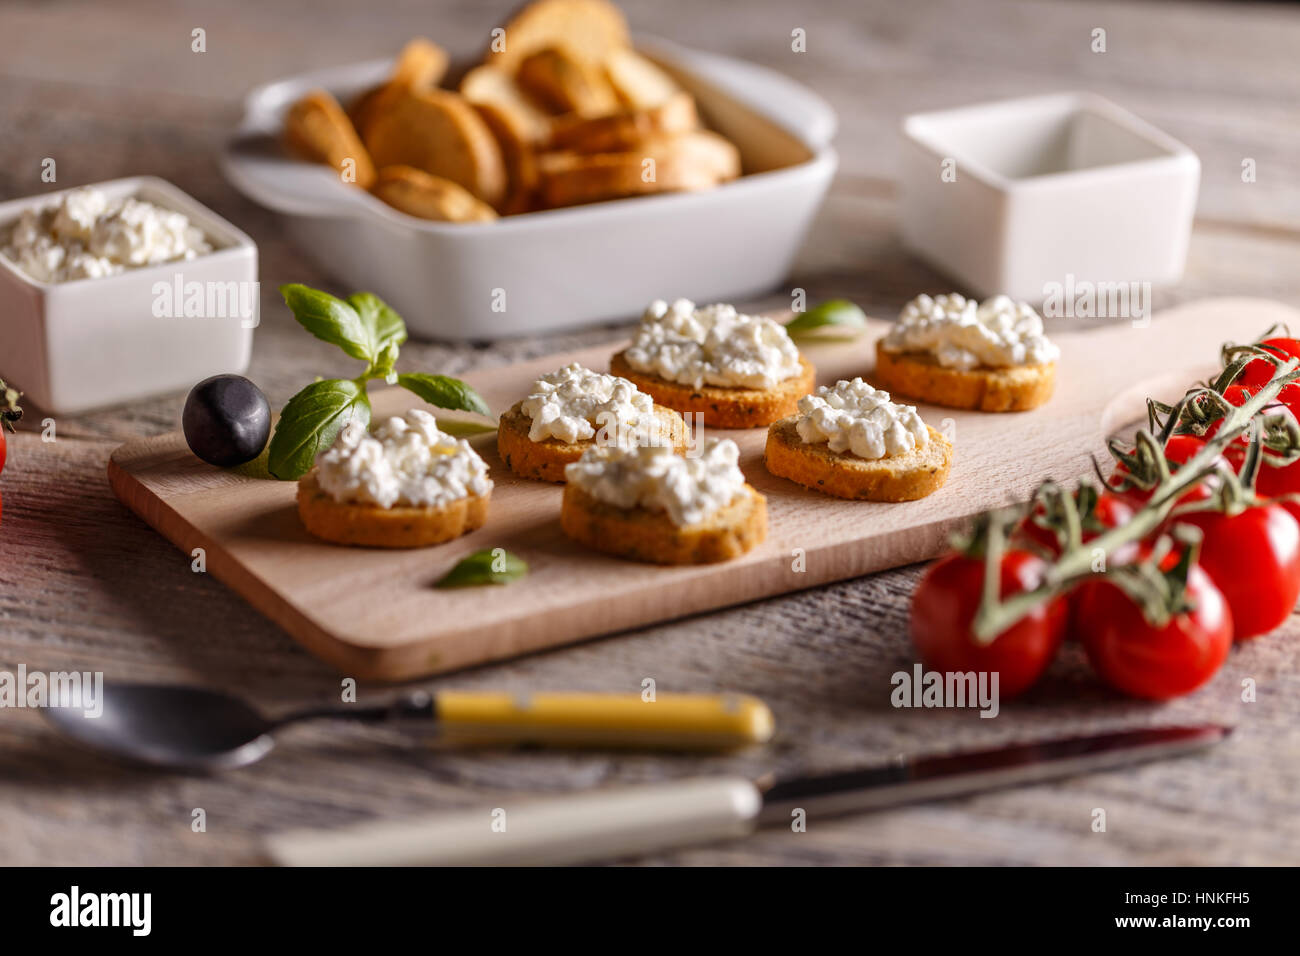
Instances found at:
x=406 y=461
x=574 y=403
x=86 y=235
x=963 y=334
x=712 y=345
x=688 y=489
x=854 y=417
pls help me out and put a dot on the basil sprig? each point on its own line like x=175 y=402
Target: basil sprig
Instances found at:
x=836 y=312
x=365 y=328
x=495 y=566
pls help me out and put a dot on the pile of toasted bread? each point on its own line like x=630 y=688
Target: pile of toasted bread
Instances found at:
x=562 y=111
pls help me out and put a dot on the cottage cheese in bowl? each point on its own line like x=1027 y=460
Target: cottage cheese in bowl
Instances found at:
x=404 y=462
x=854 y=417
x=86 y=235
x=712 y=345
x=688 y=490
x=574 y=403
x=964 y=334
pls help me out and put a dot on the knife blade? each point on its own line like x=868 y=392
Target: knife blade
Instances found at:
x=620 y=822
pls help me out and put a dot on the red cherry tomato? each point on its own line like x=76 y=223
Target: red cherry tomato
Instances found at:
x=1111 y=511
x=1155 y=663
x=1270 y=482
x=3 y=448
x=1179 y=450
x=1254 y=559
x=944 y=607
x=1260 y=371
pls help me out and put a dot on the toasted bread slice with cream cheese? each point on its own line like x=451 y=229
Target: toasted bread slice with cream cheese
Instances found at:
x=919 y=375
x=545 y=460
x=719 y=406
x=916 y=474
x=371 y=526
x=643 y=535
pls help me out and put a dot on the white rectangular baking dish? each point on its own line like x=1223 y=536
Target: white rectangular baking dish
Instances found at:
x=564 y=268
x=1018 y=195
x=89 y=343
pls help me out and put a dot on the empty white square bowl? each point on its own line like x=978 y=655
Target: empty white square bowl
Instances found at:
x=88 y=343
x=1046 y=188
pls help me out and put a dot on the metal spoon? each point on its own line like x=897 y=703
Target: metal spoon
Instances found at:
x=191 y=728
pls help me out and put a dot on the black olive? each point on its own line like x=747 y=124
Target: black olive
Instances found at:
x=226 y=420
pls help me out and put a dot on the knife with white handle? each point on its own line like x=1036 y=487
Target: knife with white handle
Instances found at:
x=619 y=822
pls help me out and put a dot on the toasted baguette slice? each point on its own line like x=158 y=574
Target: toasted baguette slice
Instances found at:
x=440 y=133
x=519 y=126
x=651 y=536
x=919 y=376
x=639 y=83
x=591 y=29
x=722 y=407
x=416 y=193
x=374 y=527
x=545 y=460
x=567 y=84
x=920 y=472
x=625 y=130
x=317 y=129
x=488 y=85
x=420 y=66
x=683 y=162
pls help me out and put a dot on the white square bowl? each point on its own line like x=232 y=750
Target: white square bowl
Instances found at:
x=89 y=343
x=1045 y=188
x=561 y=268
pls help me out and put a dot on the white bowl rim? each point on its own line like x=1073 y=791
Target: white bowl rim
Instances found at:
x=918 y=127
x=235 y=242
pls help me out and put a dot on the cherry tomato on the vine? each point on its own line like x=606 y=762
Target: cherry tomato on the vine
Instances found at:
x=944 y=606
x=1254 y=559
x=1179 y=450
x=1260 y=371
x=1111 y=510
x=1132 y=656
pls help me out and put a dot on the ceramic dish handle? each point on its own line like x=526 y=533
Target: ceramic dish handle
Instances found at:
x=573 y=828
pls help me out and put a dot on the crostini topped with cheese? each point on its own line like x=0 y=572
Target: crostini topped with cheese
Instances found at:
x=406 y=484
x=735 y=370
x=851 y=440
x=572 y=408
x=651 y=504
x=949 y=350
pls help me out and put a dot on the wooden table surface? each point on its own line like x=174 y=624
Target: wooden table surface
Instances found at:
x=114 y=90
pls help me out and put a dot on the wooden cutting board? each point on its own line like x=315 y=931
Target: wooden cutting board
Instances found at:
x=375 y=614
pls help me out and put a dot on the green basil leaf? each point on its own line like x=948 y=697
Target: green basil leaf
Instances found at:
x=443 y=391
x=386 y=326
x=495 y=566
x=463 y=429
x=836 y=312
x=310 y=422
x=330 y=320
